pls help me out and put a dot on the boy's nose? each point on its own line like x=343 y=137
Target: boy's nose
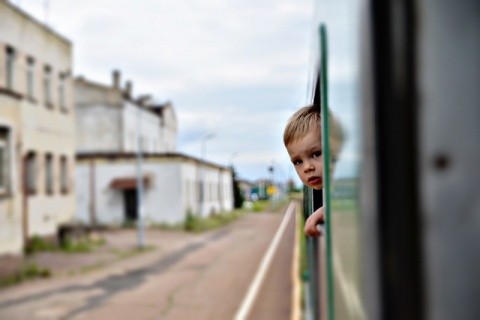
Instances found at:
x=308 y=166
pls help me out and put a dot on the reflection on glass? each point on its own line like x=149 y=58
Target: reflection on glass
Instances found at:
x=341 y=20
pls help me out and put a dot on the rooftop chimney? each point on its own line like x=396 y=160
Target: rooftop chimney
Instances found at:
x=145 y=100
x=128 y=89
x=116 y=79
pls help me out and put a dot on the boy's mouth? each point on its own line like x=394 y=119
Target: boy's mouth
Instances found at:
x=315 y=180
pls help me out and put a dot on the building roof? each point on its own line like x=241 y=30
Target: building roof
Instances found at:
x=115 y=156
x=35 y=21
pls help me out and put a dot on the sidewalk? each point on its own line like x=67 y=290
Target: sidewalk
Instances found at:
x=185 y=276
x=120 y=244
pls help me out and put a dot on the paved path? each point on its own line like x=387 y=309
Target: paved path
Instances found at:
x=274 y=300
x=187 y=277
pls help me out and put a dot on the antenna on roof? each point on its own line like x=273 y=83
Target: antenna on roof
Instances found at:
x=46 y=5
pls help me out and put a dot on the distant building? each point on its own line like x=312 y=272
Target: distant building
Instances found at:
x=106 y=119
x=109 y=125
x=107 y=188
x=246 y=189
x=37 y=136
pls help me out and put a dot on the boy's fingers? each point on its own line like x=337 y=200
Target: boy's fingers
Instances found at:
x=311 y=230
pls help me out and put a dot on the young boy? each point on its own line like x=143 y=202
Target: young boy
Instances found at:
x=302 y=138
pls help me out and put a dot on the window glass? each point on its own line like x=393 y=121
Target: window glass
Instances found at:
x=31 y=174
x=3 y=161
x=30 y=78
x=2 y=166
x=341 y=19
x=10 y=68
x=64 y=174
x=47 y=85
x=48 y=174
x=61 y=91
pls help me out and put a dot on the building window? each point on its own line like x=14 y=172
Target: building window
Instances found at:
x=145 y=145
x=64 y=174
x=61 y=91
x=49 y=174
x=30 y=78
x=4 y=161
x=10 y=68
x=47 y=86
x=200 y=191
x=31 y=172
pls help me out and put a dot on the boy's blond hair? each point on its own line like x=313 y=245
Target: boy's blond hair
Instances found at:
x=307 y=119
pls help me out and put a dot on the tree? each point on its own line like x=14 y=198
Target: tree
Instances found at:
x=237 y=193
x=291 y=187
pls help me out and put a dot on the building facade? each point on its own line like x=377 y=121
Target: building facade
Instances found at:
x=107 y=188
x=107 y=119
x=37 y=137
x=112 y=128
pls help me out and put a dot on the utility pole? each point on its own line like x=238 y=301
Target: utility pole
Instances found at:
x=202 y=177
x=272 y=186
x=140 y=180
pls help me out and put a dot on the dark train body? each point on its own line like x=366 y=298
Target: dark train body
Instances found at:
x=403 y=220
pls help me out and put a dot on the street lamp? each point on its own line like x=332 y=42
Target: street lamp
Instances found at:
x=230 y=161
x=204 y=144
x=272 y=183
x=202 y=176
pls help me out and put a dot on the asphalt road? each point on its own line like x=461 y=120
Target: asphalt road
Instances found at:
x=201 y=276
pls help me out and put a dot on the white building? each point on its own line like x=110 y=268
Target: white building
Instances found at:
x=109 y=124
x=37 y=137
x=106 y=188
x=106 y=119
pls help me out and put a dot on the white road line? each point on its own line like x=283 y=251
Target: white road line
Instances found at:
x=252 y=292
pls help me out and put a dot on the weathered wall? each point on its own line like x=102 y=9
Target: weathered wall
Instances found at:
x=149 y=129
x=162 y=198
x=218 y=195
x=43 y=128
x=98 y=128
x=11 y=236
x=169 y=130
x=167 y=199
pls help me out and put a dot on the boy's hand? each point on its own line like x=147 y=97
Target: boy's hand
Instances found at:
x=312 y=221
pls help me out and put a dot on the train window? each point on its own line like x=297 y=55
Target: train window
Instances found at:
x=340 y=104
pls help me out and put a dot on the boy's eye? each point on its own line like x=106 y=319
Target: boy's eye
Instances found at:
x=296 y=162
x=317 y=154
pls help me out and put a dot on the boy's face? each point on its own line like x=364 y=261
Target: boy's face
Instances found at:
x=306 y=156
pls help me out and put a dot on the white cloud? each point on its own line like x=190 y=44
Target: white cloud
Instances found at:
x=238 y=68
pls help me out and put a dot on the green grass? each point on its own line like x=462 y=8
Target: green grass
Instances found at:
x=266 y=205
x=199 y=224
x=344 y=205
x=28 y=272
x=303 y=248
x=303 y=269
x=261 y=205
x=82 y=245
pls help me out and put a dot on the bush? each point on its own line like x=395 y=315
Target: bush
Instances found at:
x=38 y=244
x=69 y=245
x=27 y=272
x=198 y=224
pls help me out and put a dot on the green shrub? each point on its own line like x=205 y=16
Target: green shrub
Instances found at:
x=27 y=272
x=198 y=224
x=38 y=244
x=261 y=205
x=69 y=245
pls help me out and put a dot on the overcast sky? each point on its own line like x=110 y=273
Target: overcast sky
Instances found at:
x=236 y=68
